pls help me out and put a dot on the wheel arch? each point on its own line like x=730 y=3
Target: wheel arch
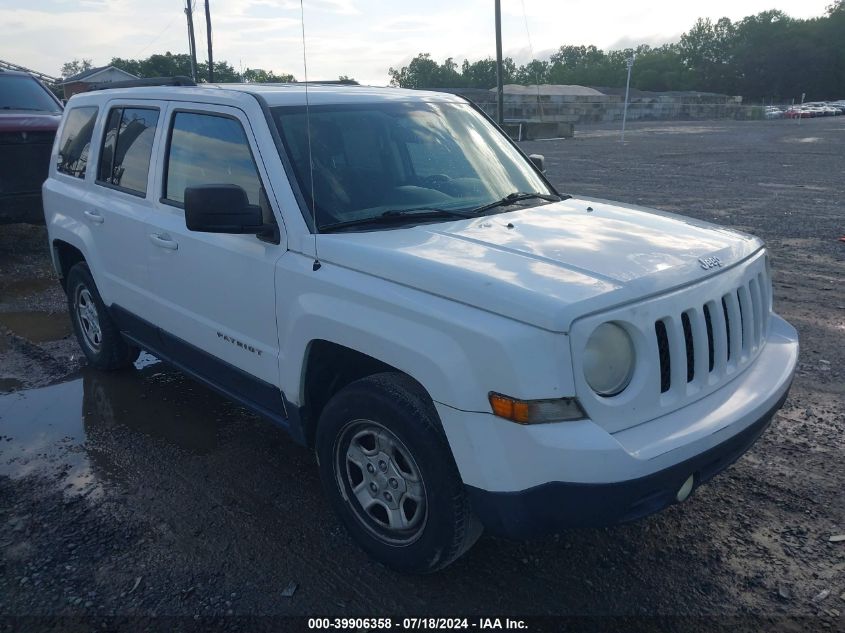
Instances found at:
x=328 y=367
x=65 y=256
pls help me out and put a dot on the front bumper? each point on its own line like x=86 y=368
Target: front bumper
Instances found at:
x=555 y=505
x=526 y=480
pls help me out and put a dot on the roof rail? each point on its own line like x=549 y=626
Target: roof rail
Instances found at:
x=335 y=82
x=178 y=80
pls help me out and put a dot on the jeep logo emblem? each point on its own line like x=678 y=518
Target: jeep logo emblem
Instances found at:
x=709 y=262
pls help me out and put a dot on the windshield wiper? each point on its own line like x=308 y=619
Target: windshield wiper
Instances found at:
x=516 y=196
x=397 y=216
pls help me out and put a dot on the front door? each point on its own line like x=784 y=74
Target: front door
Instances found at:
x=215 y=297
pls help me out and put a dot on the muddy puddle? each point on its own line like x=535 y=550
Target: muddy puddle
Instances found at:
x=10 y=384
x=66 y=431
x=36 y=326
x=16 y=288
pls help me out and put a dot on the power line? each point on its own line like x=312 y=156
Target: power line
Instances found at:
x=162 y=32
x=531 y=52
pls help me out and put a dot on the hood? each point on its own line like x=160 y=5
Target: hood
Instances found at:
x=545 y=265
x=24 y=121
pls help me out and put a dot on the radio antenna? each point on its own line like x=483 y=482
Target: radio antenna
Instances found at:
x=317 y=264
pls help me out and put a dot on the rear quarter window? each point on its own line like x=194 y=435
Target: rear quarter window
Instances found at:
x=75 y=142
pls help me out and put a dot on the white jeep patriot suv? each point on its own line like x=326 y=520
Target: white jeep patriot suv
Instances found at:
x=386 y=275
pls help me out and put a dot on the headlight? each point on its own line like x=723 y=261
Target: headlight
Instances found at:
x=609 y=359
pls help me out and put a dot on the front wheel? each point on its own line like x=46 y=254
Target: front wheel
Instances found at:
x=389 y=473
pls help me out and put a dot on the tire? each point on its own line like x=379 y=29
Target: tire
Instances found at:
x=383 y=431
x=98 y=336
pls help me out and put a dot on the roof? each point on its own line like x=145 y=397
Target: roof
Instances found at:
x=92 y=72
x=275 y=94
x=633 y=92
x=294 y=93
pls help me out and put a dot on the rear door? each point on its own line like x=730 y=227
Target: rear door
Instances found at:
x=214 y=293
x=120 y=201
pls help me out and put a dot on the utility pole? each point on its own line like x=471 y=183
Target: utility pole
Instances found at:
x=208 y=39
x=630 y=63
x=189 y=12
x=500 y=99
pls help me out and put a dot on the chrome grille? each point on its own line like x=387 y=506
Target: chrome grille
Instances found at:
x=710 y=340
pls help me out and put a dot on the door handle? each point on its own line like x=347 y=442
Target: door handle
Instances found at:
x=164 y=241
x=94 y=217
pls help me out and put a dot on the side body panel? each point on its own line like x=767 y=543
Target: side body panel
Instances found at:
x=457 y=352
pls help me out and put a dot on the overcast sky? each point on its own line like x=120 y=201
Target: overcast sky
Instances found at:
x=360 y=38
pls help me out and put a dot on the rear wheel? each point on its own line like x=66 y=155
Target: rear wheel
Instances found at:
x=98 y=336
x=387 y=468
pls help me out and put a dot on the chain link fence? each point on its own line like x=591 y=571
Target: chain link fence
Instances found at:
x=609 y=111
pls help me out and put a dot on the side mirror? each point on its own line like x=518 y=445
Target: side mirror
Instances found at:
x=539 y=161
x=221 y=209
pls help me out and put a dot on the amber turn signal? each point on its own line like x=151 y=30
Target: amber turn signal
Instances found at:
x=535 y=411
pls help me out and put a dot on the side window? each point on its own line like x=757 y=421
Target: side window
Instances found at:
x=208 y=149
x=76 y=141
x=127 y=145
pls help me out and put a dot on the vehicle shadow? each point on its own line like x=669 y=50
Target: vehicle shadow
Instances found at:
x=227 y=497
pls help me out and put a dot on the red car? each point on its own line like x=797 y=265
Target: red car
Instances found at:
x=29 y=117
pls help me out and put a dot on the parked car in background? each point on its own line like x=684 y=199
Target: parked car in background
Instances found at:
x=29 y=117
x=802 y=112
x=773 y=113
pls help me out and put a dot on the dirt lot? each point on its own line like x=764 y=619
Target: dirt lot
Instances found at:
x=143 y=493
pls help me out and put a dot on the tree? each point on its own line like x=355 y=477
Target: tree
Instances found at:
x=707 y=50
x=422 y=72
x=175 y=64
x=74 y=67
x=260 y=76
x=763 y=56
x=534 y=72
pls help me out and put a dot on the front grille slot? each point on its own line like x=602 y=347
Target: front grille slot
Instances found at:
x=727 y=326
x=689 y=346
x=711 y=350
x=663 y=351
x=742 y=305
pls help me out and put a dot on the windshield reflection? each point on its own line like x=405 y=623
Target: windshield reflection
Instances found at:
x=367 y=159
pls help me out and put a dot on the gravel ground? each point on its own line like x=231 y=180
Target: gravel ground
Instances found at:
x=142 y=493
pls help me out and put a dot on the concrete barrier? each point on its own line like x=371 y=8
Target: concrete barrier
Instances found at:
x=534 y=130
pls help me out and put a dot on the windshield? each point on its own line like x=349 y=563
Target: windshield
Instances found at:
x=377 y=158
x=18 y=92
